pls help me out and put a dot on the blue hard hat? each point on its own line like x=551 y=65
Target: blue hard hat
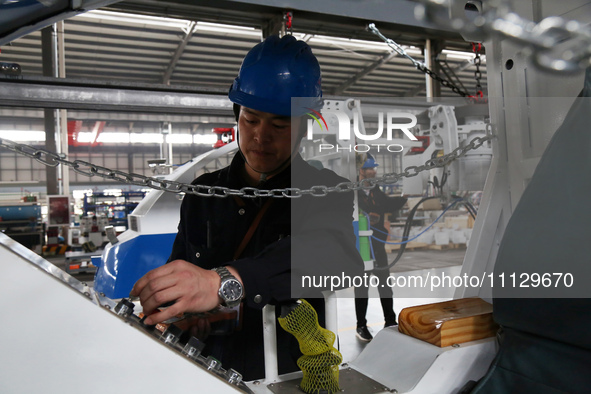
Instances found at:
x=370 y=162
x=273 y=72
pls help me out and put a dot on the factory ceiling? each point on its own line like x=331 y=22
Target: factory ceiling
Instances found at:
x=200 y=44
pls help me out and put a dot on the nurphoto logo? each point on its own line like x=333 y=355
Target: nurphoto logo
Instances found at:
x=393 y=120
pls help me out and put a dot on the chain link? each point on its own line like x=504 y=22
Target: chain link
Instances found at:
x=444 y=82
x=418 y=65
x=88 y=169
x=477 y=48
x=556 y=44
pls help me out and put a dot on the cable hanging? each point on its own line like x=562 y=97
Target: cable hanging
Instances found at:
x=408 y=225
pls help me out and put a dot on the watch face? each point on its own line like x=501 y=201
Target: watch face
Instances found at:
x=231 y=290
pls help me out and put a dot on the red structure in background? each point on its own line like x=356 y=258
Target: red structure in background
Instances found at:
x=420 y=149
x=74 y=127
x=225 y=136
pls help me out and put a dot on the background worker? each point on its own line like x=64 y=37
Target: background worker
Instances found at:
x=375 y=203
x=254 y=251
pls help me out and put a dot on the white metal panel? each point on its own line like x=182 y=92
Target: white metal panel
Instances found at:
x=411 y=365
x=524 y=113
x=54 y=340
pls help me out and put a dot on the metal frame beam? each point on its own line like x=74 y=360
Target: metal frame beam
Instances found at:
x=367 y=70
x=49 y=63
x=329 y=17
x=395 y=11
x=30 y=116
x=107 y=97
x=179 y=52
x=78 y=6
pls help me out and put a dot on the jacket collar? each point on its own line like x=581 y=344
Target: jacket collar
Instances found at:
x=278 y=181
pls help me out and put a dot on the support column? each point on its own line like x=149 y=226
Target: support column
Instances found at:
x=166 y=147
x=49 y=60
x=432 y=49
x=63 y=114
x=275 y=25
x=130 y=152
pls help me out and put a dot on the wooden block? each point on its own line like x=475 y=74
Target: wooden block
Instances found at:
x=429 y=205
x=450 y=322
x=459 y=222
x=446 y=246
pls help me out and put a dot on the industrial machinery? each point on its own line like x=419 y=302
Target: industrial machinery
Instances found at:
x=85 y=334
x=524 y=115
x=152 y=227
x=412 y=133
x=22 y=221
x=98 y=335
x=147 y=243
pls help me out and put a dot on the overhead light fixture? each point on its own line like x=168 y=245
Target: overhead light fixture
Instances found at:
x=179 y=139
x=182 y=24
x=146 y=138
x=459 y=55
x=228 y=29
x=205 y=139
x=143 y=138
x=348 y=43
x=355 y=44
x=116 y=138
x=136 y=19
x=23 y=136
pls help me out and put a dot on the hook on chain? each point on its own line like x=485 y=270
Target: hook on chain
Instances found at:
x=288 y=20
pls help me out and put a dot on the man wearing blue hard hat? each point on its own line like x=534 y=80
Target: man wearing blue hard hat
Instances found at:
x=376 y=204
x=244 y=252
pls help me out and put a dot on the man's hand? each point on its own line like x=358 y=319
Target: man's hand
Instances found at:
x=191 y=288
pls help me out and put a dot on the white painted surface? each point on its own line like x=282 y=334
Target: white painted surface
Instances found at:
x=55 y=340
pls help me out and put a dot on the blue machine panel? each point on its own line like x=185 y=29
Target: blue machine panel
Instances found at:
x=124 y=263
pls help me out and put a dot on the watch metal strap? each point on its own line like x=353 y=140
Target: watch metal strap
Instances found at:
x=223 y=272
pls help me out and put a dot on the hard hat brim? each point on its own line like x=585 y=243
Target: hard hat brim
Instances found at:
x=300 y=107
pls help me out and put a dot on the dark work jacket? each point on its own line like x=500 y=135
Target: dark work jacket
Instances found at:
x=296 y=237
x=378 y=203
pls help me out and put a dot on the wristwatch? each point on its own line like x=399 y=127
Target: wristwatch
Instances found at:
x=231 y=290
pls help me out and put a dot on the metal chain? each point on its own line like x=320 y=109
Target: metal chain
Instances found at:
x=85 y=168
x=556 y=44
x=477 y=48
x=444 y=82
x=418 y=65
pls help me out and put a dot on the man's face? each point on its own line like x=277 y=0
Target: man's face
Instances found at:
x=265 y=140
x=366 y=173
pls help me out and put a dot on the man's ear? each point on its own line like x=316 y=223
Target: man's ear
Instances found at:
x=236 y=109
